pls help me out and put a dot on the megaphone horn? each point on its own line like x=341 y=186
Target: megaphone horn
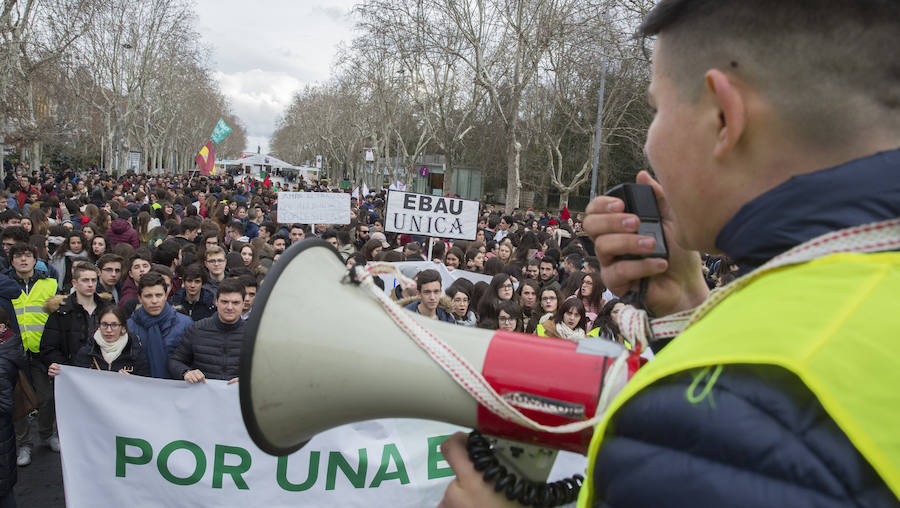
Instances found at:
x=321 y=352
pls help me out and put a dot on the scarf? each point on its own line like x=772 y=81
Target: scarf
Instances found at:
x=153 y=340
x=110 y=350
x=569 y=334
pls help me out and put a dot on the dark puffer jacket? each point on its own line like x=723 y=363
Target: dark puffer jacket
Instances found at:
x=211 y=346
x=120 y=231
x=760 y=438
x=203 y=308
x=12 y=358
x=133 y=359
x=69 y=327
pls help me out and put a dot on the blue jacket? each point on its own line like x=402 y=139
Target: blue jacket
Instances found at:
x=442 y=315
x=769 y=442
x=172 y=329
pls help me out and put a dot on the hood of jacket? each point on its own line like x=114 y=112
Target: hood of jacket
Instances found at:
x=66 y=303
x=120 y=226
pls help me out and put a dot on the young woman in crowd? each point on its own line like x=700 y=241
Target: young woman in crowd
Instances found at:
x=505 y=251
x=99 y=247
x=71 y=250
x=112 y=347
x=528 y=300
x=569 y=322
x=26 y=224
x=143 y=228
x=591 y=294
x=509 y=316
x=548 y=301
x=474 y=260
x=88 y=231
x=453 y=258
x=606 y=324
x=459 y=305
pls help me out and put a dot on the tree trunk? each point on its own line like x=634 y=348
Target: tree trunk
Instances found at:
x=35 y=155
x=513 y=183
x=448 y=174
x=563 y=199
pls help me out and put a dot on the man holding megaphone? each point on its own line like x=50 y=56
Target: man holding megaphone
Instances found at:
x=776 y=142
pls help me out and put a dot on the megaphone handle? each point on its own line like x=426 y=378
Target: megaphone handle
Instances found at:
x=518 y=488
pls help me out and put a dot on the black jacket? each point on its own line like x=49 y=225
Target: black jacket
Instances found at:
x=211 y=346
x=204 y=307
x=132 y=358
x=12 y=358
x=68 y=327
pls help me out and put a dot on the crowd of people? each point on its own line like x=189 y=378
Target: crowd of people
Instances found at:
x=154 y=276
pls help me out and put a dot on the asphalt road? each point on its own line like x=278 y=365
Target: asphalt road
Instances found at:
x=40 y=484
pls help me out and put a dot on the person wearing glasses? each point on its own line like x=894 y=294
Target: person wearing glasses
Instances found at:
x=215 y=267
x=509 y=316
x=112 y=347
x=110 y=266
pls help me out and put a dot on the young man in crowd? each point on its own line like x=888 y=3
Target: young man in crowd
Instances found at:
x=547 y=273
x=428 y=285
x=188 y=231
x=297 y=233
x=37 y=287
x=137 y=267
x=250 y=288
x=214 y=260
x=110 y=266
x=159 y=326
x=193 y=299
x=72 y=318
x=211 y=348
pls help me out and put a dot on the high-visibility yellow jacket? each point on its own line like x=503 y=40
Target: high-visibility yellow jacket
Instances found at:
x=30 y=312
x=831 y=322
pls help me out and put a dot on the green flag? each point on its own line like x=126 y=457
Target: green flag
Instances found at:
x=222 y=129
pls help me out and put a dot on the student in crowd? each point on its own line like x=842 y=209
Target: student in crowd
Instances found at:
x=156 y=323
x=12 y=358
x=211 y=348
x=459 y=305
x=214 y=260
x=530 y=303
x=568 y=322
x=72 y=318
x=110 y=266
x=193 y=299
x=428 y=285
x=112 y=347
x=509 y=316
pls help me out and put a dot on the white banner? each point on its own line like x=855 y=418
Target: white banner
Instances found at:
x=133 y=441
x=313 y=208
x=438 y=216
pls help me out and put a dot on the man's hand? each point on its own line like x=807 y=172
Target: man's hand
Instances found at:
x=53 y=371
x=468 y=489
x=194 y=376
x=676 y=284
x=232 y=381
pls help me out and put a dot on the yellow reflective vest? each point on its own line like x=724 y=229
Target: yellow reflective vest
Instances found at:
x=832 y=322
x=30 y=312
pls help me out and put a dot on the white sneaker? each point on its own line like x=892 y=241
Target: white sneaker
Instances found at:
x=24 y=457
x=53 y=443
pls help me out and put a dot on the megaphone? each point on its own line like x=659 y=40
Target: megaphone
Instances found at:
x=320 y=352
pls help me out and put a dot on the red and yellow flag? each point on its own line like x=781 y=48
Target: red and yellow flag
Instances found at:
x=206 y=159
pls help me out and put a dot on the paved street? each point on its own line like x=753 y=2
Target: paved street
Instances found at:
x=40 y=485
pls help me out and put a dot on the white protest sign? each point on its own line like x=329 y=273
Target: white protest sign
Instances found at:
x=313 y=208
x=448 y=277
x=421 y=214
x=133 y=441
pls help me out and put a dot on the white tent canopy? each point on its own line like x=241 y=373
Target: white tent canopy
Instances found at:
x=259 y=162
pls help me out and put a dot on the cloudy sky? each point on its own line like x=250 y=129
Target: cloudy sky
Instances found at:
x=266 y=50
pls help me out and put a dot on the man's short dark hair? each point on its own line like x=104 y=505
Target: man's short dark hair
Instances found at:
x=21 y=248
x=167 y=252
x=575 y=260
x=237 y=226
x=107 y=259
x=151 y=279
x=231 y=285
x=426 y=277
x=269 y=226
x=16 y=233
x=193 y=271
x=8 y=215
x=818 y=79
x=249 y=281
x=140 y=254
x=189 y=224
x=329 y=233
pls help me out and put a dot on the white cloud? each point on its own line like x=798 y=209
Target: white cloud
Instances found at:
x=264 y=53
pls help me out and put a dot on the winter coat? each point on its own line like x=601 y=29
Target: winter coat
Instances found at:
x=211 y=346
x=12 y=358
x=442 y=315
x=204 y=307
x=128 y=292
x=172 y=330
x=68 y=327
x=762 y=438
x=9 y=291
x=120 y=231
x=132 y=359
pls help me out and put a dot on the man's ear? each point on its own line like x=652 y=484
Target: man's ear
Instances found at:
x=732 y=111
